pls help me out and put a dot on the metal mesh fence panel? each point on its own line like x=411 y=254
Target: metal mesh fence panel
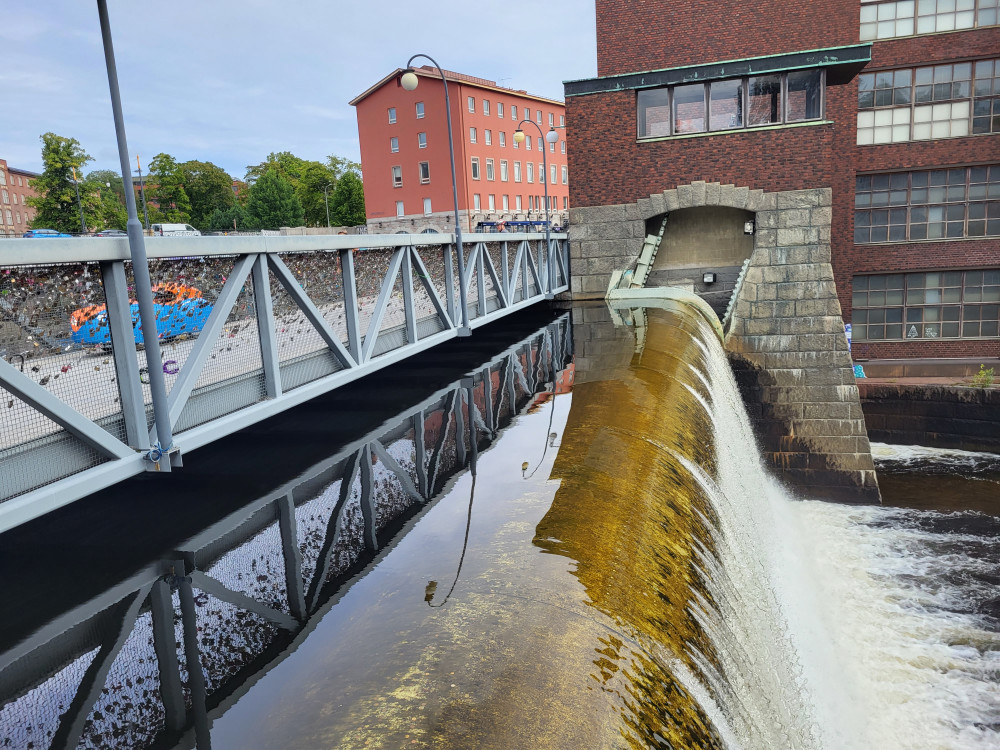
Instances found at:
x=256 y=568
x=312 y=519
x=129 y=712
x=350 y=545
x=371 y=266
x=390 y=497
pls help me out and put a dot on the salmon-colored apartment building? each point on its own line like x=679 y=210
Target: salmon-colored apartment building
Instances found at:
x=15 y=189
x=405 y=163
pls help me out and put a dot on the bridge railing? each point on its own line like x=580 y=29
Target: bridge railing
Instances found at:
x=249 y=326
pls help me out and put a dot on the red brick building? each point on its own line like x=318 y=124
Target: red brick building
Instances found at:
x=893 y=106
x=405 y=161
x=15 y=188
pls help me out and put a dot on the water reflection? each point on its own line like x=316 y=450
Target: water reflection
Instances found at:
x=153 y=661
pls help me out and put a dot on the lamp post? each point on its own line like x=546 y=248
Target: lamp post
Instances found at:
x=142 y=189
x=76 y=184
x=140 y=262
x=409 y=80
x=551 y=137
x=326 y=200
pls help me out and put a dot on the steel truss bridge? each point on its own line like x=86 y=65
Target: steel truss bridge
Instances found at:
x=152 y=661
x=249 y=327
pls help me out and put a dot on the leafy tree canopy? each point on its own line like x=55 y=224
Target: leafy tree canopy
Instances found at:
x=56 y=203
x=234 y=218
x=111 y=189
x=209 y=187
x=165 y=189
x=348 y=201
x=272 y=202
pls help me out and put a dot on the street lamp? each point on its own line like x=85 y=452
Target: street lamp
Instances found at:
x=326 y=200
x=409 y=80
x=76 y=184
x=552 y=136
x=142 y=189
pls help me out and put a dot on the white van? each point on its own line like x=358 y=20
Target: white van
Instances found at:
x=174 y=230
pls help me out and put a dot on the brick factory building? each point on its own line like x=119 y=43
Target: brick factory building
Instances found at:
x=15 y=188
x=864 y=133
x=406 y=167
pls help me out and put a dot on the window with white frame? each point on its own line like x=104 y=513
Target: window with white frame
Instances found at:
x=565 y=203
x=513 y=111
x=562 y=121
x=491 y=202
x=425 y=172
x=503 y=170
x=927 y=205
x=472 y=103
x=552 y=147
x=475 y=167
x=3 y=177
x=527 y=142
x=392 y=115
x=541 y=173
x=552 y=174
x=472 y=135
x=517 y=202
x=505 y=202
x=488 y=137
x=397 y=176
x=538 y=116
x=420 y=110
x=927 y=305
x=562 y=146
x=503 y=139
x=399 y=208
x=427 y=206
x=517 y=171
x=6 y=197
x=394 y=145
x=552 y=120
x=489 y=170
x=486 y=107
x=565 y=175
x=421 y=140
x=476 y=202
x=930 y=102
x=730 y=104
x=500 y=110
x=527 y=114
x=10 y=217
x=529 y=169
x=897 y=18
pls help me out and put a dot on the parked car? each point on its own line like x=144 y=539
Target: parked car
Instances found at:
x=174 y=230
x=111 y=233
x=180 y=309
x=44 y=233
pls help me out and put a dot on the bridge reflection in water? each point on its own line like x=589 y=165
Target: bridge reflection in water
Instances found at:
x=243 y=594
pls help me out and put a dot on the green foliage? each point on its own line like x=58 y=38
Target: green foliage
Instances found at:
x=983 y=378
x=341 y=166
x=347 y=205
x=165 y=189
x=272 y=202
x=234 y=218
x=210 y=189
x=111 y=189
x=56 y=202
x=307 y=178
x=287 y=164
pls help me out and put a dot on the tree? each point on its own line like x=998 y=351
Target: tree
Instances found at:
x=314 y=177
x=272 y=202
x=231 y=219
x=341 y=166
x=287 y=164
x=111 y=189
x=165 y=188
x=348 y=201
x=55 y=202
x=210 y=189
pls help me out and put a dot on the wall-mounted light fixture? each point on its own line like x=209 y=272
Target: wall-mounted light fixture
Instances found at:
x=708 y=277
x=748 y=226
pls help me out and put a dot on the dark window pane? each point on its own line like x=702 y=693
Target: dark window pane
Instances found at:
x=654 y=113
x=726 y=102
x=764 y=96
x=862 y=182
x=898 y=181
x=689 y=108
x=805 y=95
x=883 y=98
x=761 y=114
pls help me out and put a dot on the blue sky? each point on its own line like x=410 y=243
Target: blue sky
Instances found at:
x=229 y=82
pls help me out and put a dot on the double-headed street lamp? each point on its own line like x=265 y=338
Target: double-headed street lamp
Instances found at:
x=76 y=184
x=552 y=136
x=326 y=200
x=409 y=80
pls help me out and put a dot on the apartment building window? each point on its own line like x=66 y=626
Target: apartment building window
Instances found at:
x=937 y=101
x=392 y=115
x=472 y=103
x=500 y=110
x=20 y=181
x=541 y=173
x=486 y=107
x=565 y=175
x=931 y=305
x=565 y=203
x=731 y=104
x=427 y=206
x=475 y=167
x=489 y=170
x=397 y=177
x=552 y=147
x=530 y=171
x=17 y=215
x=517 y=202
x=472 y=135
x=425 y=172
x=420 y=110
x=399 y=208
x=503 y=139
x=491 y=202
x=10 y=217
x=421 y=140
x=552 y=174
x=3 y=177
x=552 y=120
x=503 y=170
x=475 y=202
x=513 y=111
x=517 y=171
x=538 y=116
x=527 y=142
x=394 y=145
x=527 y=113
x=6 y=197
x=562 y=121
x=488 y=137
x=927 y=205
x=886 y=20
x=505 y=203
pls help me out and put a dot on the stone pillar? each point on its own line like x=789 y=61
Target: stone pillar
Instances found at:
x=787 y=347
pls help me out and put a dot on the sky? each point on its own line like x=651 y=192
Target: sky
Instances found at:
x=229 y=82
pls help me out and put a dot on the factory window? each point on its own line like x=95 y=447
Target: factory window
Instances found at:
x=896 y=18
x=930 y=305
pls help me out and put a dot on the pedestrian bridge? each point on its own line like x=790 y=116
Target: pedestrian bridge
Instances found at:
x=249 y=327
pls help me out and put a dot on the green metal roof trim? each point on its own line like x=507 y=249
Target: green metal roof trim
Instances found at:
x=841 y=63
